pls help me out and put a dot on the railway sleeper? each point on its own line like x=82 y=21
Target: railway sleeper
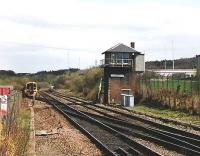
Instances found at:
x=189 y=136
x=166 y=144
x=161 y=134
x=178 y=136
x=145 y=150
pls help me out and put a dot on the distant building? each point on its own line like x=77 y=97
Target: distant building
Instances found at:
x=175 y=72
x=121 y=65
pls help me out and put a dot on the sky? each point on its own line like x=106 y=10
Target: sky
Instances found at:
x=38 y=35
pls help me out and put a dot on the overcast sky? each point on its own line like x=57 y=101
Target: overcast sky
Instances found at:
x=40 y=35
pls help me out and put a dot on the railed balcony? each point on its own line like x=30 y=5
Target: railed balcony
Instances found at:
x=116 y=62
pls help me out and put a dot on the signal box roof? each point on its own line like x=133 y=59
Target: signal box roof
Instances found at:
x=121 y=48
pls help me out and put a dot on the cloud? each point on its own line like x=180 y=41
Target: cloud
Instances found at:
x=36 y=29
x=41 y=23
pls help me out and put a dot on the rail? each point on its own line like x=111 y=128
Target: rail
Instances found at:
x=76 y=124
x=131 y=144
x=117 y=62
x=163 y=135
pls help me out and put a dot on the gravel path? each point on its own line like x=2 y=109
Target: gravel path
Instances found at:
x=56 y=136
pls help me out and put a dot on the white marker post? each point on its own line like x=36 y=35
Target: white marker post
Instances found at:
x=4 y=104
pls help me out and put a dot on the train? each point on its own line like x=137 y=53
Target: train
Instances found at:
x=31 y=89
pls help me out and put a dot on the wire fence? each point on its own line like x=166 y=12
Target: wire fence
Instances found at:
x=189 y=85
x=10 y=124
x=176 y=92
x=13 y=106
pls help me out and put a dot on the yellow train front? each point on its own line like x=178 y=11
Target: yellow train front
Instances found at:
x=31 y=89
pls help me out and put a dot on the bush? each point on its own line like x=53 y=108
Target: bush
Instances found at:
x=83 y=83
x=77 y=84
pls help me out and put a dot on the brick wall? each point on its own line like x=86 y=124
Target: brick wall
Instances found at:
x=116 y=84
x=115 y=90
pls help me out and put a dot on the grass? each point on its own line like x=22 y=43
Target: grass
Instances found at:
x=185 y=85
x=167 y=113
x=23 y=129
x=15 y=143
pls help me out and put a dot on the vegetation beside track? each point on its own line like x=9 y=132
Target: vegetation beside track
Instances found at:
x=168 y=113
x=14 y=141
x=79 y=82
x=82 y=83
x=18 y=82
x=23 y=131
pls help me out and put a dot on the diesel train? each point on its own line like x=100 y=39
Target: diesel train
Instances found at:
x=31 y=89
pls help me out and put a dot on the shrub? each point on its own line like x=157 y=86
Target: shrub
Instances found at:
x=84 y=82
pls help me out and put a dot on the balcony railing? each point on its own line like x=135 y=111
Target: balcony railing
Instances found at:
x=117 y=62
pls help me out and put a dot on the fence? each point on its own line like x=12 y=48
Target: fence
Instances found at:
x=14 y=104
x=176 y=92
x=9 y=121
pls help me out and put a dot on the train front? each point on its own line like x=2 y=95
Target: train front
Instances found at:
x=31 y=89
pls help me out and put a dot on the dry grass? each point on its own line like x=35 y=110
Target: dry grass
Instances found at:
x=7 y=147
x=171 y=99
x=15 y=143
x=22 y=131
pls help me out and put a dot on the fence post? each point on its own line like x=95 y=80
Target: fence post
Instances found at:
x=146 y=86
x=162 y=83
x=141 y=83
x=191 y=85
x=167 y=82
x=179 y=84
x=149 y=88
x=162 y=88
x=198 y=84
x=184 y=85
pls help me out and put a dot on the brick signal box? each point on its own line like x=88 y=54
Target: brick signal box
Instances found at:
x=121 y=65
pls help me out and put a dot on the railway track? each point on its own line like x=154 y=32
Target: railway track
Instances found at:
x=165 y=120
x=175 y=122
x=108 y=139
x=169 y=137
